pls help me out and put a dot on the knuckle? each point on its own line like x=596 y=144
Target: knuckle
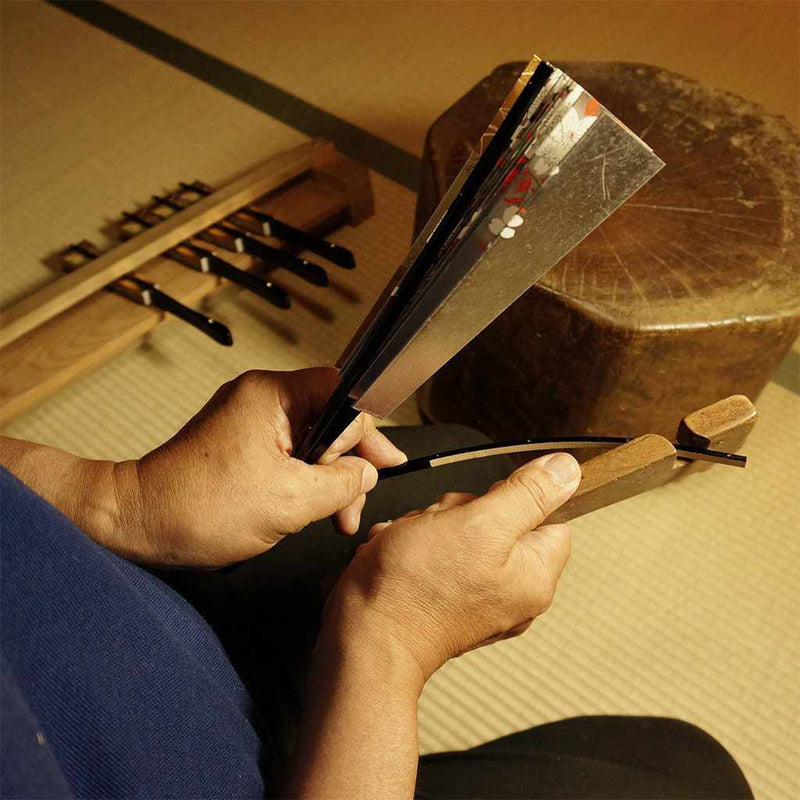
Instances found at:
x=248 y=378
x=248 y=383
x=541 y=597
x=448 y=497
x=477 y=522
x=350 y=481
x=517 y=630
x=527 y=485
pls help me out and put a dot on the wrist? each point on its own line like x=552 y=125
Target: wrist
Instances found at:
x=359 y=731
x=359 y=642
x=107 y=507
x=81 y=489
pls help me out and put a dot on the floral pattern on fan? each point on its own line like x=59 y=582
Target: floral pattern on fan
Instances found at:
x=505 y=226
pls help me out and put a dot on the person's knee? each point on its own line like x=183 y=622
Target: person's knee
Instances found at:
x=696 y=753
x=690 y=735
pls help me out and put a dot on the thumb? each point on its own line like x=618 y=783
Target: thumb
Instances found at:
x=332 y=487
x=522 y=501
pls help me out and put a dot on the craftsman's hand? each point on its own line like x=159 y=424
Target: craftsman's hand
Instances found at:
x=464 y=572
x=226 y=487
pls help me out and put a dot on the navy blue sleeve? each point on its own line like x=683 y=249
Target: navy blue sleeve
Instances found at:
x=28 y=767
x=113 y=685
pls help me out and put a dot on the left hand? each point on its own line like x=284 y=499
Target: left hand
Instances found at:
x=226 y=488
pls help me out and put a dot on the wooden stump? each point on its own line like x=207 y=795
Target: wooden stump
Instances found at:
x=687 y=294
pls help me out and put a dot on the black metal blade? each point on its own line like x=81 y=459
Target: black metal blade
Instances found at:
x=434 y=460
x=198 y=258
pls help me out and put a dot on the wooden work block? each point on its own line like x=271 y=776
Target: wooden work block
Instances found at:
x=687 y=294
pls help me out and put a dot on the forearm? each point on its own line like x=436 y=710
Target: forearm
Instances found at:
x=359 y=733
x=85 y=491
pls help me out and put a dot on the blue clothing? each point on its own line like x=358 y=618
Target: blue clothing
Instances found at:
x=112 y=684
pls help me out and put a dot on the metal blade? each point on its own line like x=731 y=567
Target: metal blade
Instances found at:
x=146 y=293
x=547 y=445
x=272 y=292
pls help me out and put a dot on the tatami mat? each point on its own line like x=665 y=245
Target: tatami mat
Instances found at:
x=681 y=603
x=389 y=66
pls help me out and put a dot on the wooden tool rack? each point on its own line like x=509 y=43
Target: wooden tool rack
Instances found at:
x=71 y=326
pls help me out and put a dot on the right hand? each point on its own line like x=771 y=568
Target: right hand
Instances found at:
x=464 y=572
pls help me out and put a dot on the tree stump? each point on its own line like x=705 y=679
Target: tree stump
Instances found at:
x=687 y=294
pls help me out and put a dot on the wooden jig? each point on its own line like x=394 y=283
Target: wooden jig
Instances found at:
x=650 y=460
x=708 y=436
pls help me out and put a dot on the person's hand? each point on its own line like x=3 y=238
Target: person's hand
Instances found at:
x=464 y=572
x=226 y=487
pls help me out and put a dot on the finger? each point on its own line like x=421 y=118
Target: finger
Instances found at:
x=379 y=526
x=328 y=488
x=446 y=501
x=552 y=544
x=346 y=440
x=377 y=448
x=450 y=500
x=348 y=520
x=517 y=630
x=305 y=391
x=522 y=501
x=368 y=442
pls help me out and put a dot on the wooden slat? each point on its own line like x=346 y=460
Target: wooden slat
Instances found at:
x=76 y=341
x=77 y=286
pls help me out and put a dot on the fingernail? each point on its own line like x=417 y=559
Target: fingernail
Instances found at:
x=563 y=469
x=369 y=478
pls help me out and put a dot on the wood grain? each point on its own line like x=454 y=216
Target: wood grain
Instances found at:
x=76 y=286
x=724 y=425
